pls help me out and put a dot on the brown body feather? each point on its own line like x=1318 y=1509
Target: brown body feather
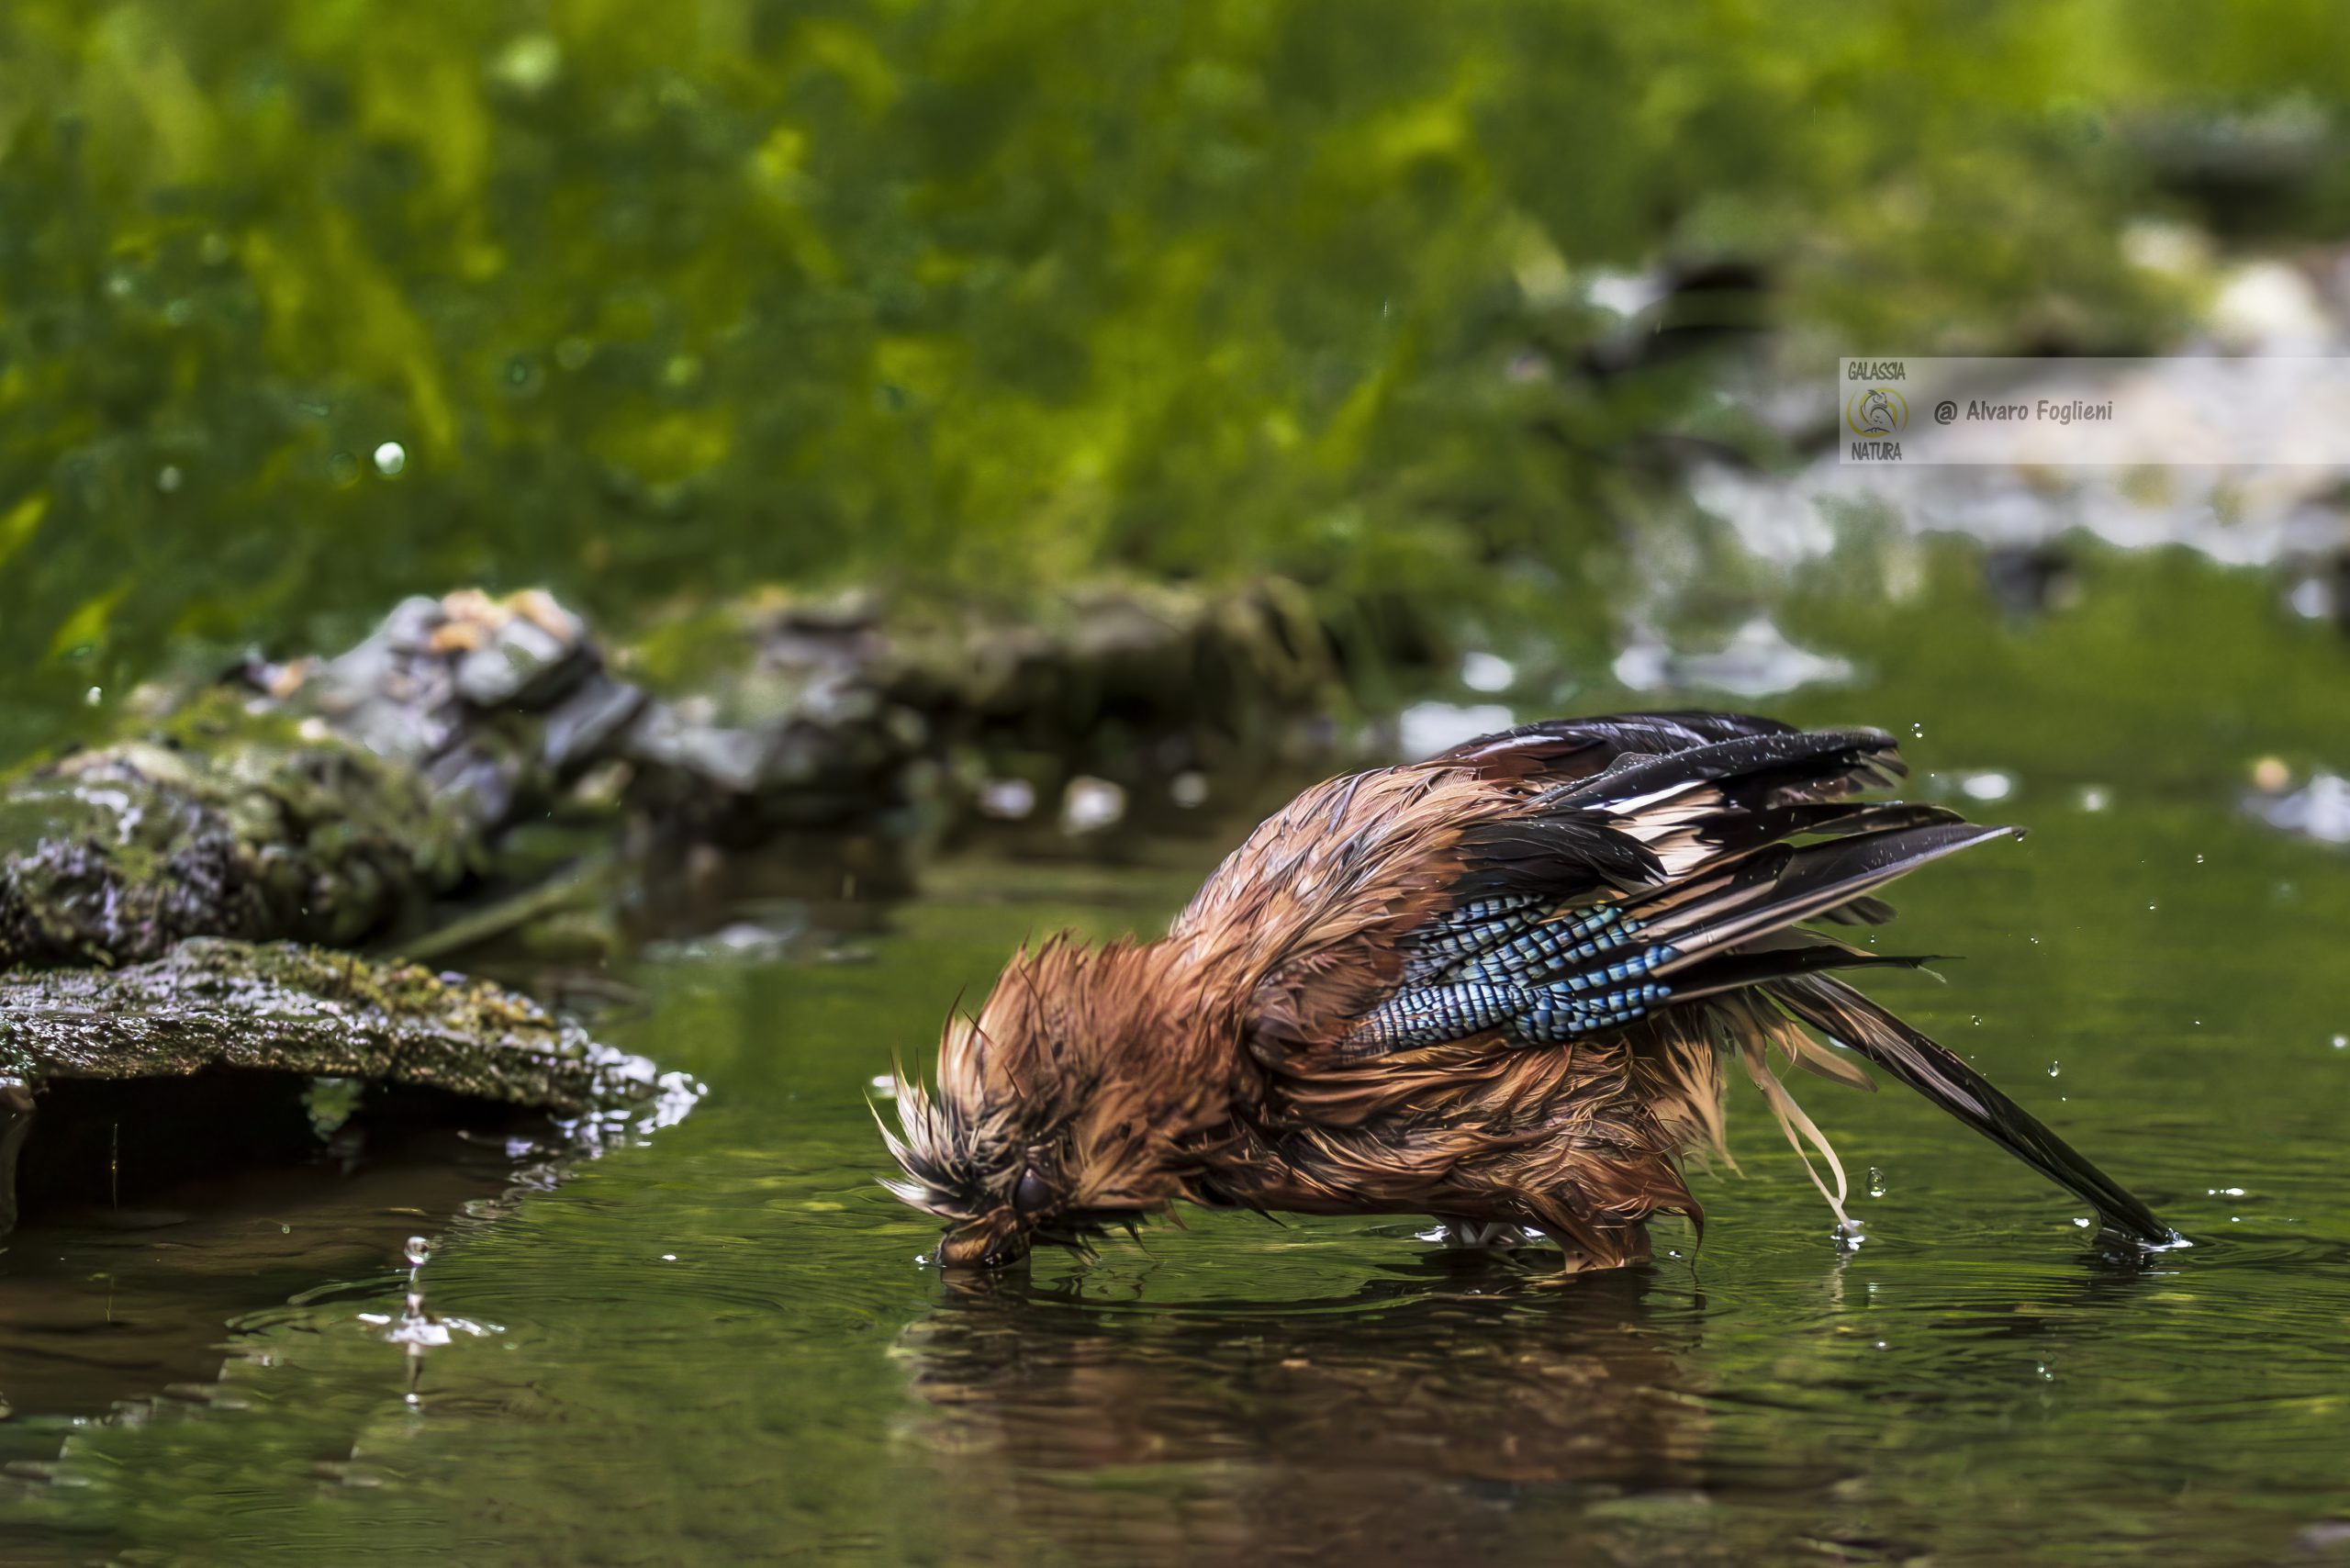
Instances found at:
x=1376 y=1004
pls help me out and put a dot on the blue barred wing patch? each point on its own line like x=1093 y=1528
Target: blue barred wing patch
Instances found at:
x=1507 y=965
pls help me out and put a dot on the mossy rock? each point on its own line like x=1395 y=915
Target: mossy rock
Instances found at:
x=223 y=823
x=231 y=1022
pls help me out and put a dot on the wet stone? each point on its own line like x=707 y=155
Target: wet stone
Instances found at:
x=523 y=660
x=583 y=727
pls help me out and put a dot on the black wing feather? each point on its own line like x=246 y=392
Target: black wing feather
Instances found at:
x=1594 y=743
x=1825 y=761
x=1762 y=897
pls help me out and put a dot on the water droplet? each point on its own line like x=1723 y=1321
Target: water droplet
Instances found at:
x=2054 y=1067
x=418 y=1250
x=168 y=478
x=1876 y=1183
x=2150 y=907
x=668 y=1257
x=92 y=697
x=2342 y=1042
x=2198 y=859
x=2095 y=798
x=1918 y=731
x=390 y=458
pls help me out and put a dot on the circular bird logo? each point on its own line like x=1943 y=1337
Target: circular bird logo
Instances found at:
x=1878 y=410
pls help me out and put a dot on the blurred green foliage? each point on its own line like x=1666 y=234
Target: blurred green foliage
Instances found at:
x=304 y=306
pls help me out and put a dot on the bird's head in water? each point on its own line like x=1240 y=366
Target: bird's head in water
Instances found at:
x=1059 y=1111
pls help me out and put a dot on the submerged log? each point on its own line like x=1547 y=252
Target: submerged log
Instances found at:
x=113 y=1081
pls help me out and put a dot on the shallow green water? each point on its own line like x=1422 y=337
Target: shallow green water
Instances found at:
x=995 y=297
x=721 y=1346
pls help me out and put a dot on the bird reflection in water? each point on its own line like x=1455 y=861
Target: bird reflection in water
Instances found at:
x=1466 y=1405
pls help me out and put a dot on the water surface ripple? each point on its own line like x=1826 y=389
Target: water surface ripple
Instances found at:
x=719 y=1346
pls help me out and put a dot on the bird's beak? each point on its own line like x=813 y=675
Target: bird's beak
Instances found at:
x=993 y=1242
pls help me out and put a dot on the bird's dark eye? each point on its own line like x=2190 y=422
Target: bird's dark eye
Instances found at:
x=1032 y=1194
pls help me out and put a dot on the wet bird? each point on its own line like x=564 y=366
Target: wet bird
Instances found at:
x=1500 y=987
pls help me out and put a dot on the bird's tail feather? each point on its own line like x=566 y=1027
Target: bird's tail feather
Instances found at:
x=1844 y=1015
x=1730 y=929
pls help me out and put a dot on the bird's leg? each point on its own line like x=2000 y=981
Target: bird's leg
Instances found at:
x=1489 y=1235
x=1584 y=1248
